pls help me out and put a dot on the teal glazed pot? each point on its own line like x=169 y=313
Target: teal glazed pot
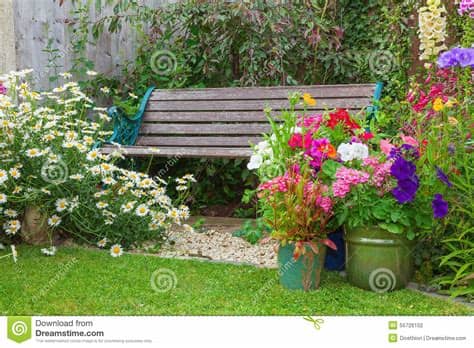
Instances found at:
x=305 y=272
x=378 y=260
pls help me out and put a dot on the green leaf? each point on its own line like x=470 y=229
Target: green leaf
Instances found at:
x=392 y=228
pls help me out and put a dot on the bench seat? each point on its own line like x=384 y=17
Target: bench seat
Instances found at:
x=221 y=122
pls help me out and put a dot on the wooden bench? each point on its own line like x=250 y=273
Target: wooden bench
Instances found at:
x=220 y=122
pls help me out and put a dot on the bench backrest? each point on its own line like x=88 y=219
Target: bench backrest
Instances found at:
x=232 y=117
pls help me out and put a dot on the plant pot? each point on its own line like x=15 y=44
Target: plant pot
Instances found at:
x=378 y=260
x=336 y=259
x=305 y=272
x=34 y=227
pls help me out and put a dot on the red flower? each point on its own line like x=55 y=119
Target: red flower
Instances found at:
x=296 y=140
x=342 y=116
x=367 y=136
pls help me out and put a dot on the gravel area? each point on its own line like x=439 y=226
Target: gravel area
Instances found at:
x=215 y=242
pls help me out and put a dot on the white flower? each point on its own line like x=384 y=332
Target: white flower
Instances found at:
x=102 y=205
x=33 y=153
x=102 y=243
x=3 y=176
x=3 y=198
x=349 y=152
x=10 y=213
x=126 y=208
x=61 y=204
x=116 y=250
x=49 y=251
x=91 y=73
x=66 y=75
x=360 y=151
x=345 y=152
x=12 y=227
x=255 y=162
x=105 y=90
x=54 y=221
x=15 y=173
x=142 y=210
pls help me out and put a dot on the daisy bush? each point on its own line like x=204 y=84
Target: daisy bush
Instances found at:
x=50 y=160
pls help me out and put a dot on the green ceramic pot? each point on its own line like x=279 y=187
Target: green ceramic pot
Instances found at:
x=305 y=272
x=378 y=260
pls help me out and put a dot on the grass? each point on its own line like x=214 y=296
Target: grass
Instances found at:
x=89 y=282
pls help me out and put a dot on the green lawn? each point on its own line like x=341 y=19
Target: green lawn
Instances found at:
x=79 y=282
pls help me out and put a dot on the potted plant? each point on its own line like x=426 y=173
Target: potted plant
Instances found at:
x=306 y=141
x=300 y=210
x=384 y=205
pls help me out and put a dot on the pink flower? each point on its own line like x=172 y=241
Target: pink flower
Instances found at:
x=386 y=147
x=347 y=177
x=409 y=140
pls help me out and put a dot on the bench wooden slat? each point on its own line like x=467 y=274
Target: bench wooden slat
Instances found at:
x=182 y=152
x=193 y=141
x=328 y=91
x=205 y=128
x=256 y=105
x=211 y=116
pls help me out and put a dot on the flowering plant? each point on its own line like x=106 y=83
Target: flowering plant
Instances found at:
x=295 y=193
x=49 y=160
x=301 y=209
x=384 y=190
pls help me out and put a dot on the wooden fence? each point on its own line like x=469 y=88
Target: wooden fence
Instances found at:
x=35 y=22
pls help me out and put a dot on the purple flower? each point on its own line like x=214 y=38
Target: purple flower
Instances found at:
x=463 y=57
x=406 y=190
x=440 y=206
x=402 y=169
x=3 y=89
x=446 y=60
x=443 y=177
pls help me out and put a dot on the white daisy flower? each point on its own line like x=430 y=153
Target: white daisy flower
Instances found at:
x=126 y=208
x=102 y=205
x=3 y=176
x=15 y=173
x=105 y=90
x=91 y=73
x=61 y=204
x=3 y=198
x=10 y=213
x=102 y=243
x=142 y=210
x=33 y=153
x=116 y=250
x=54 y=221
x=93 y=155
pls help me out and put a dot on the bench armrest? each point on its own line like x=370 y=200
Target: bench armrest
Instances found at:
x=126 y=128
x=372 y=109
